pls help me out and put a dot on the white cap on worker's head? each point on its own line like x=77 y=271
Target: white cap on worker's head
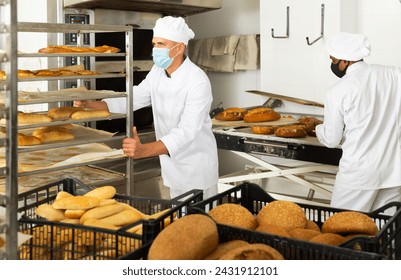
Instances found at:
x=348 y=46
x=173 y=29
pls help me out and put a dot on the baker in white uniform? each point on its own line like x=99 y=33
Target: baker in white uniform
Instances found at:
x=363 y=113
x=181 y=97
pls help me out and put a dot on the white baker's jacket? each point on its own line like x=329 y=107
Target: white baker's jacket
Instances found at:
x=363 y=113
x=181 y=105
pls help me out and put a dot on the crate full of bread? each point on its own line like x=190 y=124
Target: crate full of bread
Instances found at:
x=302 y=231
x=70 y=221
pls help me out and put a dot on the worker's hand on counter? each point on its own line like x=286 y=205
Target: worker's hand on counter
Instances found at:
x=132 y=147
x=91 y=104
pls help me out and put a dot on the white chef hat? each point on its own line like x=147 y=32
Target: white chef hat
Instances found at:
x=348 y=46
x=174 y=29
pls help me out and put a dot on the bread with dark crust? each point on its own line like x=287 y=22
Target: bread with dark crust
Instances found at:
x=261 y=114
x=231 y=114
x=256 y=251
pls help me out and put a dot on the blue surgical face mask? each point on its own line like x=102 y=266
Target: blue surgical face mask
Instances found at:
x=161 y=57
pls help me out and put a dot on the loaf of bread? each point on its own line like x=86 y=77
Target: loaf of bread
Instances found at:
x=48 y=212
x=31 y=118
x=88 y=114
x=73 y=214
x=261 y=115
x=63 y=112
x=255 y=251
x=28 y=140
x=291 y=131
x=191 y=237
x=100 y=212
x=53 y=135
x=266 y=130
x=46 y=73
x=74 y=49
x=99 y=224
x=25 y=73
x=76 y=202
x=231 y=114
x=103 y=192
x=122 y=218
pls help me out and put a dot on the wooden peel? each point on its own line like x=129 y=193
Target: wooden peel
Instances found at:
x=287 y=98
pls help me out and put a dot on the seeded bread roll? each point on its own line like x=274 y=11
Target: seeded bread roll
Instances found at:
x=225 y=247
x=261 y=115
x=234 y=215
x=350 y=222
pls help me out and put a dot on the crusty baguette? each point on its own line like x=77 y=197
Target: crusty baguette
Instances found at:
x=100 y=212
x=28 y=140
x=75 y=49
x=76 y=203
x=122 y=218
x=53 y=135
x=103 y=192
x=48 y=212
x=87 y=114
x=30 y=118
x=63 y=112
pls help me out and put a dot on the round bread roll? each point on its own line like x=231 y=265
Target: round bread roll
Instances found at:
x=303 y=233
x=261 y=115
x=263 y=129
x=233 y=215
x=350 y=222
x=225 y=247
x=273 y=229
x=254 y=251
x=191 y=237
x=291 y=131
x=231 y=114
x=285 y=214
x=312 y=225
x=328 y=238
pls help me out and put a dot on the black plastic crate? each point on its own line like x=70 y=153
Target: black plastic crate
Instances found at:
x=387 y=243
x=121 y=242
x=291 y=249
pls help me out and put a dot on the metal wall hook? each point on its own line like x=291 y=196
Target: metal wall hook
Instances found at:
x=288 y=27
x=321 y=28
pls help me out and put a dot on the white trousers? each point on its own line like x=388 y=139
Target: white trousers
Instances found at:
x=206 y=193
x=364 y=200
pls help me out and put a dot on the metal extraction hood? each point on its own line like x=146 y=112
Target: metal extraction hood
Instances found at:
x=165 y=7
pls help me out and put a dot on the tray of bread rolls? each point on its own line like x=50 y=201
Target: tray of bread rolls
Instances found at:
x=71 y=94
x=302 y=231
x=71 y=221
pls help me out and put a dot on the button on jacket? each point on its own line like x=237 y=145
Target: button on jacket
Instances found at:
x=363 y=114
x=181 y=105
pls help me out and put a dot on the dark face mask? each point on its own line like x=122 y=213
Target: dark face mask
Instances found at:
x=335 y=68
